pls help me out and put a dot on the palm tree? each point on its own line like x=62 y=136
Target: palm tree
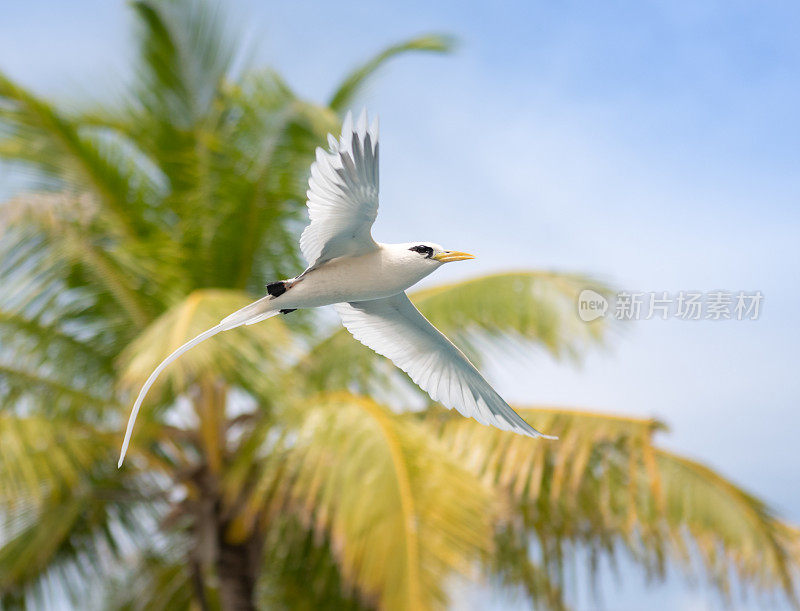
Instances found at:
x=272 y=466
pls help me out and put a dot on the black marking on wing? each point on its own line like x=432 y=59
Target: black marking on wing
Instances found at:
x=276 y=289
x=288 y=310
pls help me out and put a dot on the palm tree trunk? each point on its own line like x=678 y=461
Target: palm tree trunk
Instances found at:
x=198 y=585
x=237 y=568
x=236 y=563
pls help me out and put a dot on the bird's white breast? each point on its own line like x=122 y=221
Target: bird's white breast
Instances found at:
x=377 y=274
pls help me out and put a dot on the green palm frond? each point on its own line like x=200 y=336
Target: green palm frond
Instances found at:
x=264 y=145
x=70 y=541
x=511 y=565
x=539 y=306
x=144 y=180
x=48 y=365
x=72 y=157
x=355 y=81
x=243 y=355
x=186 y=53
x=158 y=582
x=20 y=380
x=69 y=225
x=63 y=507
x=579 y=485
x=302 y=573
x=41 y=461
x=604 y=484
x=400 y=513
x=50 y=335
x=728 y=529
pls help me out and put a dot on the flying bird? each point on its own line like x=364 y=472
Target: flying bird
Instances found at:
x=366 y=281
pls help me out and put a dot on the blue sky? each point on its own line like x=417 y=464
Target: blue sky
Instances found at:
x=653 y=144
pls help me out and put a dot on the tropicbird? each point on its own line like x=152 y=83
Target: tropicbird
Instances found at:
x=366 y=281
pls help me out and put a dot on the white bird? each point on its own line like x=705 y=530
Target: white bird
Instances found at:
x=366 y=282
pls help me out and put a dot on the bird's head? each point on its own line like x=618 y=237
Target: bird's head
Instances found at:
x=428 y=253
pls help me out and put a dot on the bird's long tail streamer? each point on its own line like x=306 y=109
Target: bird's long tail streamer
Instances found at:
x=248 y=315
x=153 y=376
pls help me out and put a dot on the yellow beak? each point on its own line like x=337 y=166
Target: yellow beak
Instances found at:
x=452 y=255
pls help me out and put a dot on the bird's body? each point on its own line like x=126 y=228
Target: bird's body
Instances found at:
x=385 y=271
x=366 y=282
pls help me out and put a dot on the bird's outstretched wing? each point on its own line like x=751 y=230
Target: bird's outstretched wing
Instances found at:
x=394 y=328
x=343 y=194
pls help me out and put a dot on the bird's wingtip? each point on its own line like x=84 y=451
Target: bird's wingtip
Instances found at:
x=346 y=138
x=355 y=127
x=373 y=129
x=347 y=124
x=550 y=437
x=361 y=123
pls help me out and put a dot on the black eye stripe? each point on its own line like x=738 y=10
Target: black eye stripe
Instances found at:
x=423 y=250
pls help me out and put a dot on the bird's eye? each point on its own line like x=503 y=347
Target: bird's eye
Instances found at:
x=423 y=250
